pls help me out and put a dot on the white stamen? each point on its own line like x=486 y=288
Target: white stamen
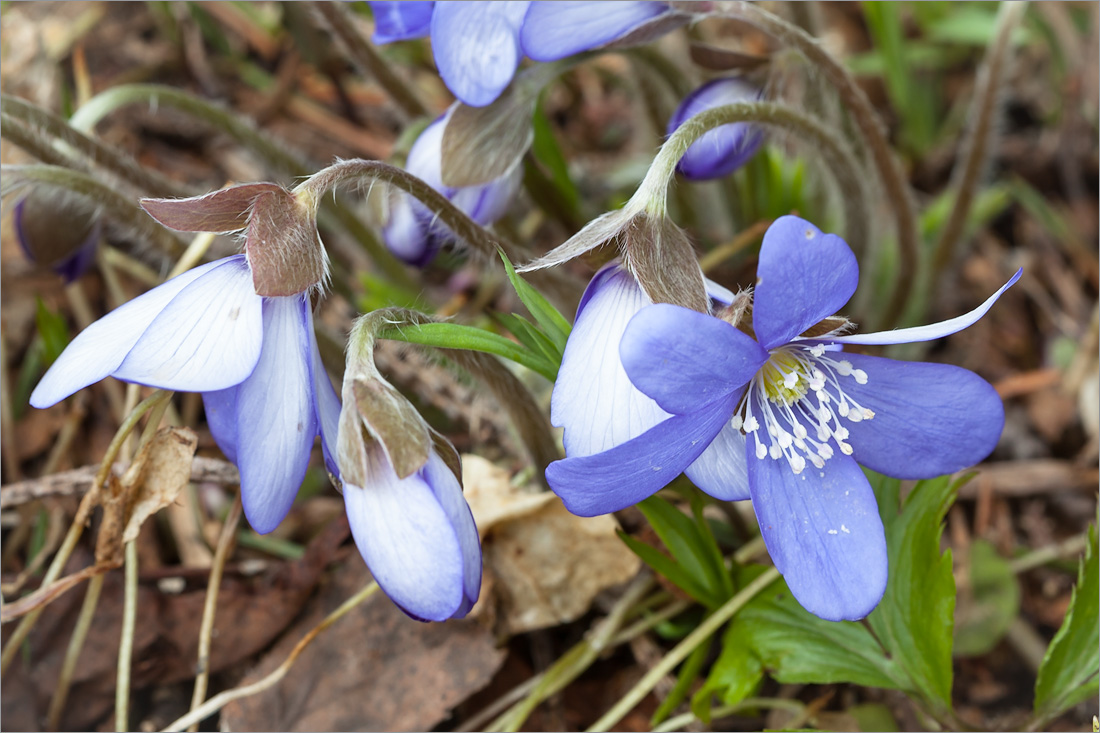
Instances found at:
x=860 y=375
x=751 y=424
x=737 y=421
x=844 y=368
x=845 y=530
x=818 y=350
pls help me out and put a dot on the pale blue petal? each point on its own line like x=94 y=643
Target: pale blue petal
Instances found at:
x=327 y=401
x=718 y=293
x=684 y=359
x=406 y=234
x=593 y=398
x=476 y=47
x=276 y=417
x=803 y=277
x=632 y=471
x=99 y=349
x=207 y=338
x=221 y=416
x=408 y=542
x=401 y=21
x=487 y=203
x=931 y=331
x=930 y=419
x=449 y=494
x=721 y=471
x=823 y=532
x=554 y=30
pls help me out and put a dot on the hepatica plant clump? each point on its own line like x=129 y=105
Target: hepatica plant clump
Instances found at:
x=753 y=343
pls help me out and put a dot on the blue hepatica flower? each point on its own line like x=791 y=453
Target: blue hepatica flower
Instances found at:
x=478 y=45
x=782 y=418
x=724 y=149
x=411 y=231
x=253 y=358
x=418 y=537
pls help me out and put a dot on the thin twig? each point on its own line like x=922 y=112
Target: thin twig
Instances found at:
x=126 y=643
x=711 y=259
x=210 y=606
x=219 y=701
x=76 y=528
x=72 y=653
x=722 y=711
x=338 y=20
x=977 y=145
x=1050 y=553
x=681 y=651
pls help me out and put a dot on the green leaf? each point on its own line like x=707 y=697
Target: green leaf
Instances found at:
x=53 y=330
x=528 y=335
x=553 y=323
x=547 y=151
x=873 y=716
x=685 y=542
x=735 y=675
x=668 y=568
x=985 y=610
x=915 y=619
x=1068 y=674
x=456 y=336
x=797 y=647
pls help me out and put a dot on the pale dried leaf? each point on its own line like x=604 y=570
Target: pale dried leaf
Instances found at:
x=547 y=565
x=167 y=472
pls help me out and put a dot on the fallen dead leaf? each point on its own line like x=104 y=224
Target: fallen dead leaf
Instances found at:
x=375 y=669
x=167 y=471
x=546 y=564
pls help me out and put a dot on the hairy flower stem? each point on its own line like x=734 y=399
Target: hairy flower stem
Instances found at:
x=210 y=606
x=119 y=208
x=275 y=153
x=357 y=170
x=835 y=152
x=871 y=134
x=219 y=701
x=104 y=156
x=340 y=21
x=978 y=144
x=77 y=527
x=681 y=651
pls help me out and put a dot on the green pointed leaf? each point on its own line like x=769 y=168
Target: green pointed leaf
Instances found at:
x=735 y=675
x=528 y=335
x=553 y=323
x=548 y=152
x=684 y=540
x=985 y=610
x=456 y=336
x=915 y=619
x=668 y=568
x=1068 y=674
x=53 y=330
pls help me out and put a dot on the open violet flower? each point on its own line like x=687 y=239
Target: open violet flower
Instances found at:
x=411 y=231
x=724 y=149
x=478 y=45
x=253 y=358
x=787 y=409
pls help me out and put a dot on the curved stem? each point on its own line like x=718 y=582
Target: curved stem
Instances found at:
x=219 y=701
x=681 y=651
x=121 y=209
x=978 y=143
x=836 y=154
x=871 y=133
x=104 y=156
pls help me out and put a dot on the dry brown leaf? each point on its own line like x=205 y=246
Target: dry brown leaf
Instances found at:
x=167 y=472
x=375 y=669
x=547 y=565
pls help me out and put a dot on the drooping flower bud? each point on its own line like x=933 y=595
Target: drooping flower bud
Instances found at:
x=57 y=229
x=412 y=231
x=283 y=248
x=722 y=150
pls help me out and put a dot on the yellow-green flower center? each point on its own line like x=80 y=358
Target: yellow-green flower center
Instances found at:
x=783 y=378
